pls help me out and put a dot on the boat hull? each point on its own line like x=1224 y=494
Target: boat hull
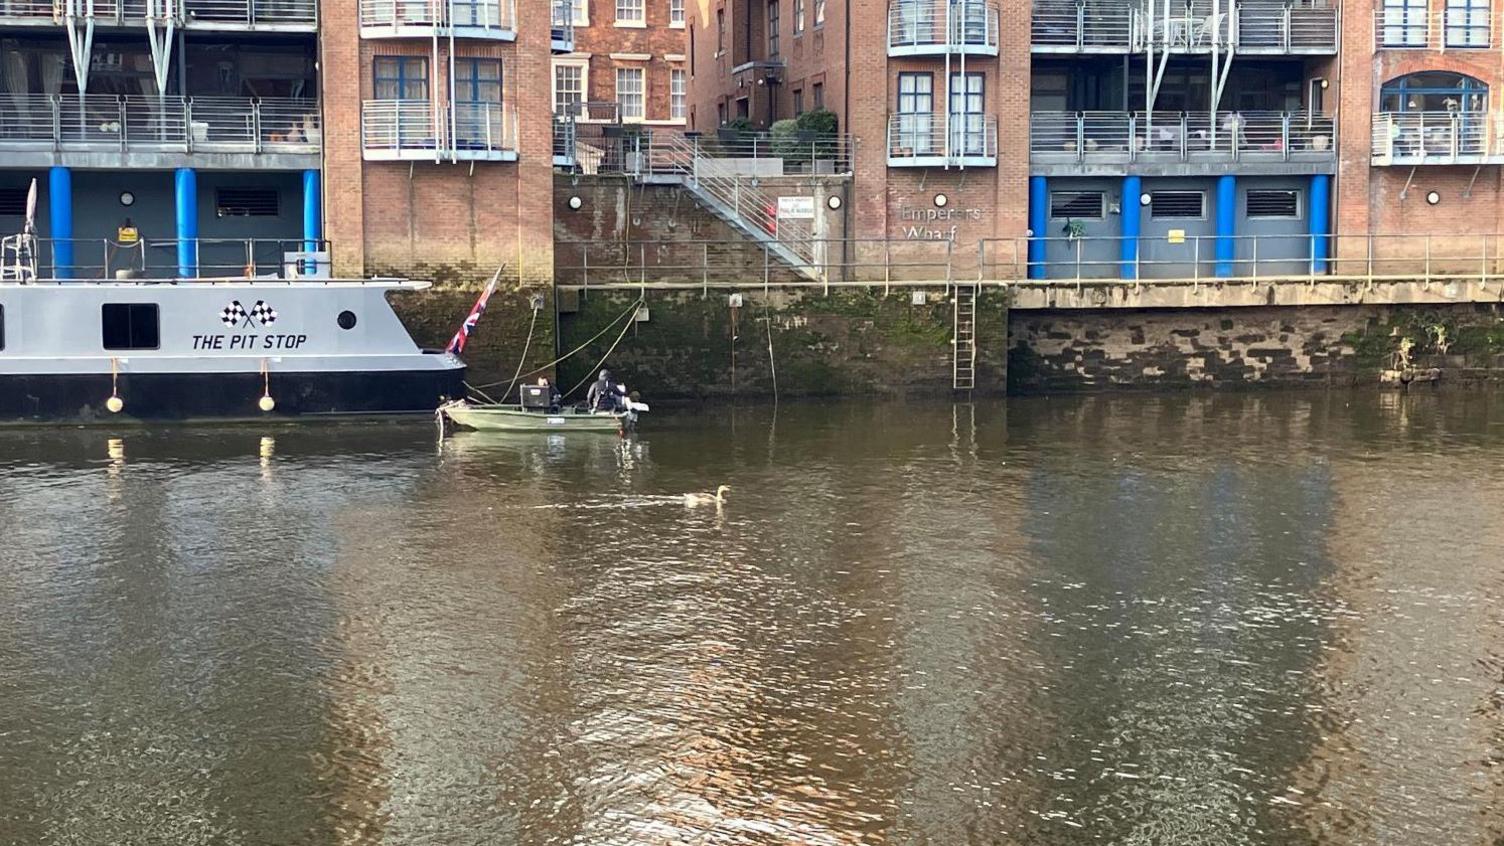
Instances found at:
x=515 y=420
x=83 y=398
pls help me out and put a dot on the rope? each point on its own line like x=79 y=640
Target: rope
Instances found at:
x=525 y=347
x=591 y=372
x=768 y=318
x=630 y=310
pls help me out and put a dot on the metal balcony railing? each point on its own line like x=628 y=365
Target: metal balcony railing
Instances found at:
x=200 y=13
x=1435 y=138
x=159 y=124
x=421 y=129
x=478 y=17
x=1257 y=26
x=924 y=140
x=566 y=140
x=1122 y=137
x=917 y=27
x=159 y=258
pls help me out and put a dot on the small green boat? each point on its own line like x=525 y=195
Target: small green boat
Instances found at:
x=515 y=418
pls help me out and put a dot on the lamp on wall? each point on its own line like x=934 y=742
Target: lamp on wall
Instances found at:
x=941 y=200
x=575 y=202
x=1433 y=197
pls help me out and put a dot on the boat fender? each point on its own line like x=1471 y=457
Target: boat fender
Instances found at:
x=267 y=403
x=114 y=404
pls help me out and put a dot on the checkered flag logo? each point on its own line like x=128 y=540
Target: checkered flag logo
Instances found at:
x=233 y=314
x=263 y=313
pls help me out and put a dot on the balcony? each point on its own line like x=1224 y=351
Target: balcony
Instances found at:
x=937 y=140
x=1457 y=26
x=422 y=130
x=1253 y=27
x=106 y=131
x=490 y=19
x=222 y=15
x=1066 y=143
x=942 y=27
x=1435 y=138
x=561 y=27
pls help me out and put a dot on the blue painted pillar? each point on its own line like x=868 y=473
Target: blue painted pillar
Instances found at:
x=1133 y=224
x=1320 y=217
x=311 y=211
x=185 y=188
x=60 y=211
x=1039 y=220
x=1227 y=223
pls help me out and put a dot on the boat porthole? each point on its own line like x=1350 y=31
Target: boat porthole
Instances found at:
x=346 y=320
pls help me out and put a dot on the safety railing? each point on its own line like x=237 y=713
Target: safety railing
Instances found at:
x=398 y=127
x=565 y=138
x=497 y=18
x=1122 y=137
x=484 y=129
x=212 y=14
x=421 y=129
x=153 y=258
x=1435 y=138
x=1414 y=27
x=743 y=264
x=1085 y=25
x=105 y=122
x=918 y=27
x=920 y=140
x=617 y=148
x=1424 y=259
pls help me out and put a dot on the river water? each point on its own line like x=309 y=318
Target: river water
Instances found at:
x=1218 y=619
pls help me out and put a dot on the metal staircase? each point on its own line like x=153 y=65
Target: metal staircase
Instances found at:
x=731 y=196
x=964 y=342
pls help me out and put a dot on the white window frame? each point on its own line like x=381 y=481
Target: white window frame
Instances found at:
x=642 y=94
x=678 y=100
x=638 y=22
x=676 y=7
x=1467 y=20
x=553 y=79
x=581 y=12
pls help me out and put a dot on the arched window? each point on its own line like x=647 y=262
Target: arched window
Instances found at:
x=1433 y=91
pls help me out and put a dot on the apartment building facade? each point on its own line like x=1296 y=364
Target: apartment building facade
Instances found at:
x=627 y=63
x=1104 y=138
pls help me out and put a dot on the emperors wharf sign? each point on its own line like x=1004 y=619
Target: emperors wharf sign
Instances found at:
x=250 y=330
x=934 y=224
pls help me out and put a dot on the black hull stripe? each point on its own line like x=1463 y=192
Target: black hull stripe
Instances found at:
x=218 y=396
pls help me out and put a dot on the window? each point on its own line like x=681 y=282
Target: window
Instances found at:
x=630 y=12
x=629 y=92
x=245 y=202
x=1433 y=91
x=691 y=49
x=720 y=32
x=1077 y=205
x=720 y=114
x=2 y=326
x=13 y=202
x=1467 y=23
x=477 y=80
x=401 y=78
x=819 y=94
x=916 y=113
x=772 y=28
x=677 y=92
x=1404 y=23
x=569 y=87
x=676 y=12
x=798 y=101
x=798 y=17
x=130 y=326
x=1164 y=205
x=1280 y=204
x=819 y=13
x=477 y=103
x=968 y=119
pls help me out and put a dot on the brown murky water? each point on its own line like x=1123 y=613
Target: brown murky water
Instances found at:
x=1260 y=619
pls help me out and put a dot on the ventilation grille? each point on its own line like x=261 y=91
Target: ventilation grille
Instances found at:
x=13 y=202
x=1172 y=204
x=245 y=202
x=1273 y=204
x=1079 y=205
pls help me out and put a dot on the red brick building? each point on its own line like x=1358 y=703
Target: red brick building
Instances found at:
x=438 y=153
x=628 y=62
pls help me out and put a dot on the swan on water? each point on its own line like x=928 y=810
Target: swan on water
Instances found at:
x=693 y=499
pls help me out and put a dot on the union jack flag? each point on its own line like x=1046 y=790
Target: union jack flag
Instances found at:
x=457 y=343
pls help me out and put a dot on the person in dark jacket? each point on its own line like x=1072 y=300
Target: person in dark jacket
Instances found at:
x=602 y=395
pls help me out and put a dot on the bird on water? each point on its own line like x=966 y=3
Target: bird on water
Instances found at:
x=693 y=499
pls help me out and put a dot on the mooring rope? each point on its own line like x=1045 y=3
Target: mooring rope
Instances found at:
x=630 y=310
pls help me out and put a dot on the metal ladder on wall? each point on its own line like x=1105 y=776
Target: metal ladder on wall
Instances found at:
x=964 y=339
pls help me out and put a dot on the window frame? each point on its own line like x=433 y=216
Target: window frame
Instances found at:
x=1405 y=14
x=819 y=16
x=474 y=63
x=641 y=18
x=817 y=94
x=798 y=18
x=1200 y=194
x=156 y=315
x=678 y=100
x=400 y=65
x=676 y=18
x=641 y=94
x=581 y=65
x=1469 y=11
x=775 y=24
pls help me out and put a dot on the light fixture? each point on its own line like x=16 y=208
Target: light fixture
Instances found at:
x=575 y=203
x=1433 y=198
x=833 y=202
x=1326 y=83
x=941 y=200
x=1144 y=199
x=127 y=198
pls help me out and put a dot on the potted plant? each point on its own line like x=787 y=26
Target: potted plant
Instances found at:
x=1073 y=229
x=820 y=126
